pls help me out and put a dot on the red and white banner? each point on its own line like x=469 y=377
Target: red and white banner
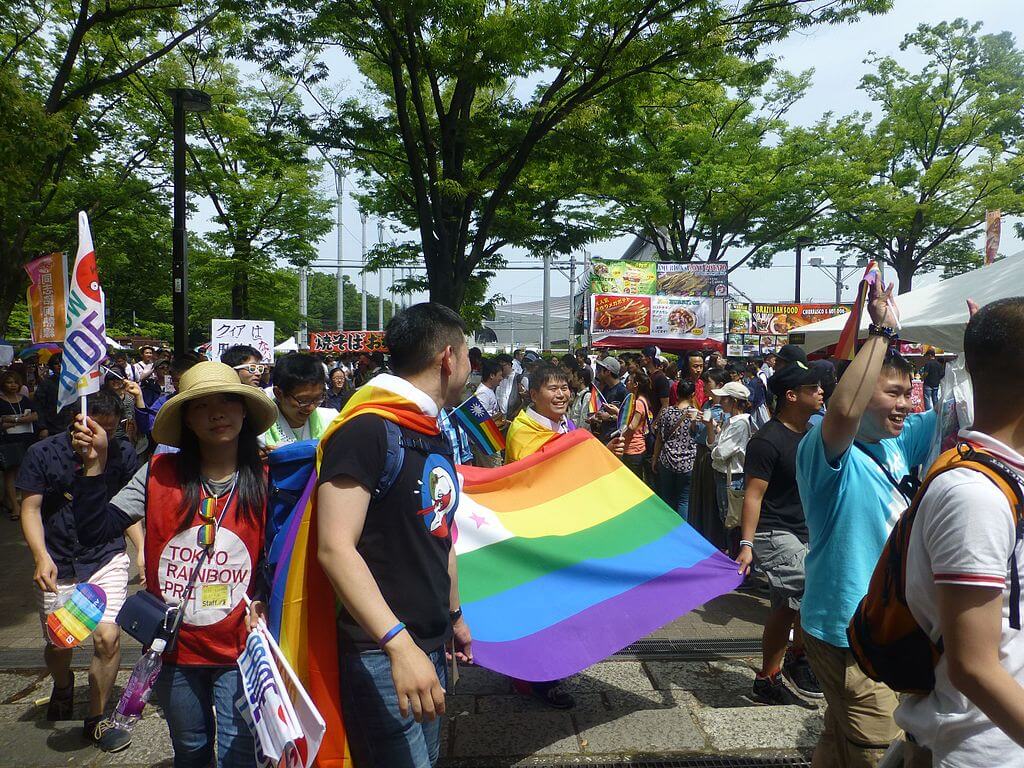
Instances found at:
x=86 y=343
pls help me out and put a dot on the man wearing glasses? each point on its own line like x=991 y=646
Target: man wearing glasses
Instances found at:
x=299 y=391
x=247 y=363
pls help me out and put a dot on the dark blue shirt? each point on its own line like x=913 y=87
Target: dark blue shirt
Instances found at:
x=49 y=469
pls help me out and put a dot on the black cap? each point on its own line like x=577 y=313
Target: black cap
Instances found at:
x=791 y=353
x=652 y=352
x=792 y=376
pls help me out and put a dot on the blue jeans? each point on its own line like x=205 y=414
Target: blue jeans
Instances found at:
x=378 y=736
x=189 y=697
x=674 y=490
x=721 y=497
x=931 y=398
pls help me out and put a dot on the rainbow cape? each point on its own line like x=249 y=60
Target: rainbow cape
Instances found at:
x=566 y=557
x=302 y=616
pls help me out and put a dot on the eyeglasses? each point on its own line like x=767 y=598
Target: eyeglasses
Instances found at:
x=208 y=530
x=307 y=403
x=255 y=370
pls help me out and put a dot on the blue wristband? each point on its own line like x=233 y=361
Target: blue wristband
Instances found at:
x=390 y=635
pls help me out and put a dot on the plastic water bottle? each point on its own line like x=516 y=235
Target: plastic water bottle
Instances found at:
x=140 y=685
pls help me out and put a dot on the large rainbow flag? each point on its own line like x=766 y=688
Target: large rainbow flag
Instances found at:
x=566 y=557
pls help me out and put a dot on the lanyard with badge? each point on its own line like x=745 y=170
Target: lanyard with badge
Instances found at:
x=210 y=595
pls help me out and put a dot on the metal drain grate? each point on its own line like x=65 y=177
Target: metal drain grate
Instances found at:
x=690 y=650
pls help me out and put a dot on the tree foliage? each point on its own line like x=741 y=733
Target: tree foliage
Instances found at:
x=73 y=136
x=464 y=97
x=947 y=146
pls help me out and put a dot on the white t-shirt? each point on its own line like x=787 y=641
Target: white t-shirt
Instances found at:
x=488 y=399
x=963 y=534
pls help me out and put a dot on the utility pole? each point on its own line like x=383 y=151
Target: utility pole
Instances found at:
x=339 y=183
x=572 y=298
x=362 y=217
x=801 y=241
x=839 y=281
x=184 y=100
x=303 y=309
x=545 y=334
x=380 y=279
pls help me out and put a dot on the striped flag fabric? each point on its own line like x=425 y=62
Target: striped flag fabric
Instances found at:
x=846 y=347
x=566 y=557
x=480 y=426
x=596 y=399
x=85 y=345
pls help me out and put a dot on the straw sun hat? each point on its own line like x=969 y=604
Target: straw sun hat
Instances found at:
x=211 y=378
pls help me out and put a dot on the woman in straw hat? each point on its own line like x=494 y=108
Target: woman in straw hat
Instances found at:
x=204 y=509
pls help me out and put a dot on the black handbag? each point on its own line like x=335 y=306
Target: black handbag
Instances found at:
x=146 y=617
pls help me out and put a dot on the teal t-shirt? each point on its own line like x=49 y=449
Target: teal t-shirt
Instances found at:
x=851 y=506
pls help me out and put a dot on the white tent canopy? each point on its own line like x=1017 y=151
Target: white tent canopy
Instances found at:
x=288 y=345
x=935 y=315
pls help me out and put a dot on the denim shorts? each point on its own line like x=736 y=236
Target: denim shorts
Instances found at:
x=780 y=554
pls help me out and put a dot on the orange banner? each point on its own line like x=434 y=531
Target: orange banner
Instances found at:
x=47 y=297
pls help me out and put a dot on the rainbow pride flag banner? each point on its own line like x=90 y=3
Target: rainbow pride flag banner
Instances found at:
x=480 y=426
x=566 y=557
x=846 y=347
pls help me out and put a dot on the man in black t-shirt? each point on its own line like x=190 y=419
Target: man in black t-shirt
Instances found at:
x=774 y=532
x=655 y=368
x=385 y=545
x=932 y=374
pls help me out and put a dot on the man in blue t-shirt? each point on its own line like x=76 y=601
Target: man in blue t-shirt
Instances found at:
x=855 y=471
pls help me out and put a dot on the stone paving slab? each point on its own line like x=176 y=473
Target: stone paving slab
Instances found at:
x=661 y=731
x=515 y=735
x=760 y=727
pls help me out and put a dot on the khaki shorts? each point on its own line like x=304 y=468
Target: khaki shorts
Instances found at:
x=858 y=722
x=780 y=554
x=112 y=578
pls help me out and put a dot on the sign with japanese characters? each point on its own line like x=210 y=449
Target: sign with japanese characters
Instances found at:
x=342 y=342
x=258 y=334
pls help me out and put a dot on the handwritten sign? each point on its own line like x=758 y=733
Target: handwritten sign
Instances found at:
x=258 y=334
x=341 y=342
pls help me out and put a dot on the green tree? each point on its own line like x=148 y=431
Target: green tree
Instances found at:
x=703 y=175
x=947 y=146
x=72 y=137
x=450 y=128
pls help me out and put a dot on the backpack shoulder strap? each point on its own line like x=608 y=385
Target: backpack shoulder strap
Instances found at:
x=393 y=460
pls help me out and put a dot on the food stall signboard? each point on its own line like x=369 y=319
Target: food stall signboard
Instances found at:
x=675 y=317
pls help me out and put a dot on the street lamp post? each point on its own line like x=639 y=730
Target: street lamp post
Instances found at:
x=184 y=100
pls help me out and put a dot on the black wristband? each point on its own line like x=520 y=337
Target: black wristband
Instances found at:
x=455 y=615
x=883 y=331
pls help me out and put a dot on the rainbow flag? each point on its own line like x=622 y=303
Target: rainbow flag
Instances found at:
x=626 y=411
x=846 y=347
x=596 y=399
x=566 y=557
x=480 y=426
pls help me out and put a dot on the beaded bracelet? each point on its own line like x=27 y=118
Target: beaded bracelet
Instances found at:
x=390 y=635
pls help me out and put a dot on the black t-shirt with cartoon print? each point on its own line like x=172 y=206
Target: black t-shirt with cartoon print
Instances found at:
x=406 y=537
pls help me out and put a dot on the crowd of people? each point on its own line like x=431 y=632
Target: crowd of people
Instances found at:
x=796 y=468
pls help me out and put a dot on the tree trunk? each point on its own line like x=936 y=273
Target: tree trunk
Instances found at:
x=905 y=269
x=13 y=290
x=242 y=254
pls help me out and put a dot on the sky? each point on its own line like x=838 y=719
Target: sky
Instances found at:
x=836 y=53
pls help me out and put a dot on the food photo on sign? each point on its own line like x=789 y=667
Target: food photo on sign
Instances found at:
x=710 y=279
x=663 y=316
x=626 y=277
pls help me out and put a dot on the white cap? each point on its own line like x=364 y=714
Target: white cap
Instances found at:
x=159 y=644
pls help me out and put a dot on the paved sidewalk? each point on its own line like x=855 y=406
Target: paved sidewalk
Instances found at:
x=625 y=708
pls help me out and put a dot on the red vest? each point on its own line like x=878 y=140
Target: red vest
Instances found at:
x=213 y=631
